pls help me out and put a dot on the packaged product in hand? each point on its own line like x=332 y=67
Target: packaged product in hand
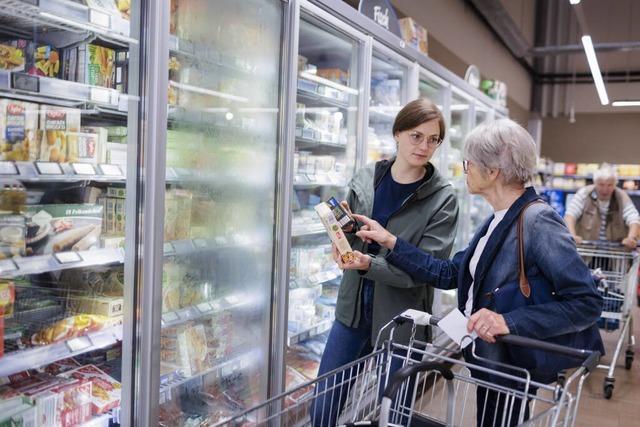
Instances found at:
x=326 y=213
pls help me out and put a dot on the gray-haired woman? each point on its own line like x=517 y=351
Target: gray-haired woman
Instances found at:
x=560 y=304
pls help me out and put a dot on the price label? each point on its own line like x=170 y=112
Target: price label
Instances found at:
x=25 y=82
x=204 y=307
x=100 y=94
x=233 y=299
x=110 y=170
x=79 y=344
x=200 y=243
x=67 y=257
x=8 y=168
x=311 y=178
x=117 y=334
x=169 y=249
x=169 y=317
x=48 y=168
x=123 y=103
x=99 y=18
x=83 y=169
x=7 y=265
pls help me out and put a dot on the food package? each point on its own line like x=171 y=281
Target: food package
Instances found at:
x=12 y=58
x=495 y=89
x=73 y=403
x=105 y=391
x=89 y=146
x=414 y=34
x=7 y=298
x=60 y=366
x=46 y=62
x=334 y=74
x=124 y=6
x=72 y=327
x=59 y=129
x=192 y=344
x=122 y=71
x=16 y=410
x=333 y=228
x=117 y=192
x=104 y=306
x=177 y=221
x=12 y=235
x=99 y=62
x=116 y=154
x=18 y=130
x=58 y=228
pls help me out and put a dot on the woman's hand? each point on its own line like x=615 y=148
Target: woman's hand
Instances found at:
x=360 y=262
x=630 y=243
x=487 y=324
x=371 y=230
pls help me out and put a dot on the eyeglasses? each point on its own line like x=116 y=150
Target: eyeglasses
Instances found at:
x=416 y=138
x=465 y=166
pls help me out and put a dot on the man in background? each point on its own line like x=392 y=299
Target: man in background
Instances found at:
x=603 y=212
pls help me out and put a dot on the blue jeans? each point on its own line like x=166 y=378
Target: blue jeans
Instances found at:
x=344 y=346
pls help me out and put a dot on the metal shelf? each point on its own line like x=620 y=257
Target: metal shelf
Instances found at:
x=307 y=143
x=204 y=309
x=309 y=232
x=328 y=100
x=324 y=180
x=317 y=278
x=66 y=93
x=317 y=329
x=203 y=54
x=67 y=16
x=21 y=266
x=38 y=356
x=61 y=172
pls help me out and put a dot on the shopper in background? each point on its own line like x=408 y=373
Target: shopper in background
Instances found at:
x=559 y=304
x=603 y=212
x=410 y=197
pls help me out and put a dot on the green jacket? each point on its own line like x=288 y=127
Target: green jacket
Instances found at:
x=427 y=219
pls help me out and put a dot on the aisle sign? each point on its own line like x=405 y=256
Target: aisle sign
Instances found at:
x=382 y=14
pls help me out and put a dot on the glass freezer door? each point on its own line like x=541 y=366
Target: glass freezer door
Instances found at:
x=388 y=94
x=479 y=208
x=437 y=91
x=220 y=201
x=67 y=111
x=324 y=161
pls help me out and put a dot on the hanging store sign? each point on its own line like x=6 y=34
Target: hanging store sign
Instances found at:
x=382 y=14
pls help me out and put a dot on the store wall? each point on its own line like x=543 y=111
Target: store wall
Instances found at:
x=593 y=138
x=455 y=32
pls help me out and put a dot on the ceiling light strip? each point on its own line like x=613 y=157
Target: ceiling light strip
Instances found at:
x=595 y=69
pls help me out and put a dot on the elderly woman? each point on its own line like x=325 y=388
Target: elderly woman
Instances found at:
x=559 y=302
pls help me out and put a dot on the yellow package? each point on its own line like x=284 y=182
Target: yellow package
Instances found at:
x=59 y=129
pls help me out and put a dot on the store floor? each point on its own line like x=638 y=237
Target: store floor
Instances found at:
x=623 y=410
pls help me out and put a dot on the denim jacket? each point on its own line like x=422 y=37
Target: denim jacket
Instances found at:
x=551 y=261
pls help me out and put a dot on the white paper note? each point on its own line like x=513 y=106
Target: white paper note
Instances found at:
x=454 y=325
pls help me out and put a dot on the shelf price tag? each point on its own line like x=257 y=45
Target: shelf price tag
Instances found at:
x=49 y=168
x=110 y=170
x=99 y=18
x=83 y=169
x=101 y=95
x=8 y=168
x=169 y=317
x=204 y=307
x=7 y=265
x=200 y=243
x=25 y=82
x=67 y=257
x=169 y=249
x=79 y=344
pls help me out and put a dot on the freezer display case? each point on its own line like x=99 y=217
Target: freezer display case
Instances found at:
x=437 y=91
x=324 y=161
x=479 y=208
x=66 y=103
x=388 y=94
x=220 y=200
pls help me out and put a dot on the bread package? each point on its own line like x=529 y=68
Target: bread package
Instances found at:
x=18 y=127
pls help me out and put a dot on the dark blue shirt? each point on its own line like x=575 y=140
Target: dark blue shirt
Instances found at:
x=388 y=198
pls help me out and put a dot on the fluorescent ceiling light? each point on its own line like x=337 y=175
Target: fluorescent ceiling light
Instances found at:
x=309 y=76
x=595 y=69
x=625 y=103
x=574 y=1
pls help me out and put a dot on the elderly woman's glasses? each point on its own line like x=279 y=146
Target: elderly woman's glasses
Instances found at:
x=465 y=166
x=417 y=138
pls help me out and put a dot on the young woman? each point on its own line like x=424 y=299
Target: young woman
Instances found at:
x=410 y=197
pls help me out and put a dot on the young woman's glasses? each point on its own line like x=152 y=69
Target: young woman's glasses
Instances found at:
x=416 y=138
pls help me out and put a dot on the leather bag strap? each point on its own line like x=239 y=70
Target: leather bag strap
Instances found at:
x=525 y=288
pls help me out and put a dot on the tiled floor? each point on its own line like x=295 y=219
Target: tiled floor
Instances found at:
x=623 y=410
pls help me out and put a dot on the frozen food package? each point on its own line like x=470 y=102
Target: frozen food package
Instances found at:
x=331 y=224
x=18 y=130
x=100 y=66
x=72 y=327
x=104 y=306
x=105 y=391
x=59 y=128
x=58 y=228
x=89 y=147
x=12 y=56
x=12 y=235
x=192 y=343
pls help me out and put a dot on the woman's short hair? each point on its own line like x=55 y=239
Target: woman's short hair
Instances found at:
x=417 y=112
x=503 y=144
x=606 y=172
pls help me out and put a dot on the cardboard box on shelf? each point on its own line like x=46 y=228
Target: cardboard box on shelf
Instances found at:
x=100 y=66
x=414 y=34
x=18 y=130
x=59 y=129
x=105 y=306
x=105 y=391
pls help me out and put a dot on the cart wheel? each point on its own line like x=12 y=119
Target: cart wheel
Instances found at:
x=608 y=391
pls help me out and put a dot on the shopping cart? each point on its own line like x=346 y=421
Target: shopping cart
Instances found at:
x=618 y=268
x=431 y=388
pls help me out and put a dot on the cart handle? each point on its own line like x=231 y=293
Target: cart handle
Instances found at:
x=589 y=358
x=604 y=244
x=408 y=371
